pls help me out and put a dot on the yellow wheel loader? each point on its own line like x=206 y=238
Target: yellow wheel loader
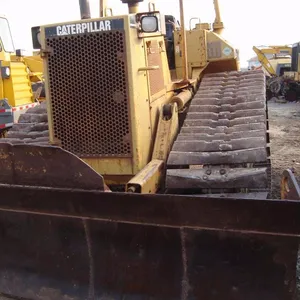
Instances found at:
x=21 y=84
x=153 y=177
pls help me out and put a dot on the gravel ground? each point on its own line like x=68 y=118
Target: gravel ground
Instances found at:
x=284 y=123
x=284 y=128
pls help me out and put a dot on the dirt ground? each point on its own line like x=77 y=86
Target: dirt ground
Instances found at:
x=284 y=129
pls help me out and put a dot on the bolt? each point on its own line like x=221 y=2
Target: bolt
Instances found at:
x=222 y=171
x=208 y=172
x=205 y=177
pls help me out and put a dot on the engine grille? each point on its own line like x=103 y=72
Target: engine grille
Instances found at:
x=89 y=94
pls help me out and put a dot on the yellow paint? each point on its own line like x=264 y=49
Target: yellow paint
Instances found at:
x=17 y=88
x=148 y=180
x=146 y=103
x=23 y=71
x=144 y=107
x=110 y=166
x=35 y=66
x=270 y=64
x=205 y=47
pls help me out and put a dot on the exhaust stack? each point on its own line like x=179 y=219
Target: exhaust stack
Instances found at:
x=218 y=25
x=85 y=11
x=133 y=5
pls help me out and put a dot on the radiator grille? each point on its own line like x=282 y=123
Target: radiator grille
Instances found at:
x=89 y=94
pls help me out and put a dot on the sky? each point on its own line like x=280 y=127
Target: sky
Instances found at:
x=247 y=23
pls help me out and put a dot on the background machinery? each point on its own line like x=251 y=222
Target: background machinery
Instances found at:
x=152 y=179
x=275 y=61
x=292 y=77
x=21 y=84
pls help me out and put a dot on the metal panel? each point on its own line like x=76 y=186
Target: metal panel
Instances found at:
x=89 y=93
x=46 y=166
x=77 y=245
x=156 y=76
x=214 y=50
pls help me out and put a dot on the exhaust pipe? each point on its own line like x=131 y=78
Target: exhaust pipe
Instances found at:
x=133 y=5
x=218 y=26
x=85 y=11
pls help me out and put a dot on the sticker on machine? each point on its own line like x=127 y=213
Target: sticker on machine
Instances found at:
x=84 y=27
x=227 y=51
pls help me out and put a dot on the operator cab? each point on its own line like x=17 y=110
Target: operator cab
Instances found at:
x=282 y=68
x=6 y=41
x=295 y=57
x=171 y=25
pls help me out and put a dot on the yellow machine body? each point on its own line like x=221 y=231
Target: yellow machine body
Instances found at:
x=146 y=85
x=17 y=86
x=145 y=89
x=274 y=58
x=205 y=50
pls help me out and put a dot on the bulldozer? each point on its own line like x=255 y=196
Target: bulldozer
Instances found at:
x=146 y=172
x=21 y=85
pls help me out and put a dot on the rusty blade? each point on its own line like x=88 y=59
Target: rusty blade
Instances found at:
x=58 y=244
x=45 y=166
x=227 y=214
x=43 y=257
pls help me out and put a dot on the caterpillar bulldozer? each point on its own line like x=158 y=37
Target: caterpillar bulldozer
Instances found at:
x=146 y=172
x=21 y=84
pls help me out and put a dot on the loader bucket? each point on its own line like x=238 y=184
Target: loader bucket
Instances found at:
x=71 y=243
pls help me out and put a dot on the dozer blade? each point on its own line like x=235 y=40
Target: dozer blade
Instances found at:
x=47 y=166
x=79 y=242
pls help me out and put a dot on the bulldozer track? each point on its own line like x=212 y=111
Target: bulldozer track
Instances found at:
x=223 y=143
x=32 y=127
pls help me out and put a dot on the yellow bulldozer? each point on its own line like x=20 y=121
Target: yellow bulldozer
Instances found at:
x=21 y=84
x=275 y=61
x=153 y=178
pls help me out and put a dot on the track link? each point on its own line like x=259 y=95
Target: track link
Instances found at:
x=32 y=127
x=222 y=146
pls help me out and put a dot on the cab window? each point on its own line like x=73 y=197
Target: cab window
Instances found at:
x=5 y=36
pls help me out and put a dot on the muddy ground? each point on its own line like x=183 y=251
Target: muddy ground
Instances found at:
x=284 y=123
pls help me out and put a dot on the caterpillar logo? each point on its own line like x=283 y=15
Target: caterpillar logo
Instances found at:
x=95 y=26
x=90 y=26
